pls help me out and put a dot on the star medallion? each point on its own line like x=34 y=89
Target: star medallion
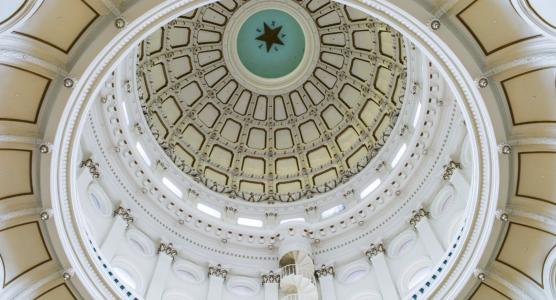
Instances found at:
x=270 y=37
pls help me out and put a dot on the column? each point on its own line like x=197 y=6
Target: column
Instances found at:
x=350 y=199
x=458 y=180
x=166 y=254
x=376 y=255
x=312 y=214
x=121 y=221
x=217 y=274
x=230 y=215
x=325 y=275
x=420 y=221
x=271 y=282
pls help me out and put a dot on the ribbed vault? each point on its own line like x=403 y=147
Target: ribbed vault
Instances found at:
x=259 y=145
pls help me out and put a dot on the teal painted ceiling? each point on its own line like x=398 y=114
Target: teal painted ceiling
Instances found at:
x=270 y=43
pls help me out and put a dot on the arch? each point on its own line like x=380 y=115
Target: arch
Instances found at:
x=2 y=273
x=414 y=268
x=532 y=15
x=400 y=243
x=357 y=266
x=466 y=155
x=453 y=228
x=366 y=295
x=137 y=241
x=99 y=201
x=191 y=268
x=19 y=16
x=443 y=201
x=176 y=294
x=131 y=267
x=549 y=274
x=243 y=283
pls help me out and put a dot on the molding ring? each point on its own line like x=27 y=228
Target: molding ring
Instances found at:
x=274 y=86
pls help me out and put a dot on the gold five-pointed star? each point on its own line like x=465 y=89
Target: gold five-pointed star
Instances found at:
x=270 y=36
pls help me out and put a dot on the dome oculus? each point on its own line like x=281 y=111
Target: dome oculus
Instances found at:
x=270 y=43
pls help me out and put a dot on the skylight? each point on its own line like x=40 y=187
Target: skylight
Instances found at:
x=207 y=210
x=332 y=211
x=143 y=153
x=250 y=222
x=369 y=189
x=172 y=187
x=398 y=156
x=125 y=113
x=417 y=115
x=294 y=219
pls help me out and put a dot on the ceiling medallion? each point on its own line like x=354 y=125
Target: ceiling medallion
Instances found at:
x=282 y=68
x=270 y=37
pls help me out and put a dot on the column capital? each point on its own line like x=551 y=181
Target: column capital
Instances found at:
x=449 y=169
x=218 y=271
x=168 y=249
x=324 y=270
x=125 y=214
x=374 y=250
x=271 y=277
x=417 y=216
x=92 y=166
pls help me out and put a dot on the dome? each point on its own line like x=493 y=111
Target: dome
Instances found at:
x=281 y=137
x=293 y=150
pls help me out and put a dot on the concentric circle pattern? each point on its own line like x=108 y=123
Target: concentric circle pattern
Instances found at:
x=270 y=43
x=260 y=146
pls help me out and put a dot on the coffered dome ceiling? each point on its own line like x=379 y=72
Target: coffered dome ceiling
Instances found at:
x=260 y=138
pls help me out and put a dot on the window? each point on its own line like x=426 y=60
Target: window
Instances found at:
x=291 y=220
x=250 y=222
x=140 y=243
x=188 y=272
x=125 y=276
x=172 y=187
x=417 y=113
x=125 y=113
x=417 y=277
x=398 y=156
x=186 y=275
x=143 y=153
x=369 y=189
x=356 y=276
x=332 y=211
x=207 y=210
x=96 y=202
x=242 y=290
x=135 y=245
x=405 y=247
x=447 y=204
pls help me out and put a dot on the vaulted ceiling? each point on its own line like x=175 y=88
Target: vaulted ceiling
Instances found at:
x=491 y=36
